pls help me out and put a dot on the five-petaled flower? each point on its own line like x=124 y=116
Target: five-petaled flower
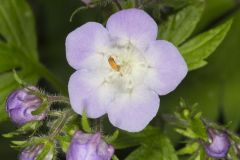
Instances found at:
x=121 y=69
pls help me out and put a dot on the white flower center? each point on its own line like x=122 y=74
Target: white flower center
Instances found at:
x=127 y=67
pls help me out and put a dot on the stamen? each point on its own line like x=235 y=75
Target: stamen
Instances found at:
x=113 y=64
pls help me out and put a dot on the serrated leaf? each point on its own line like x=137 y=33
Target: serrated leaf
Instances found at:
x=156 y=148
x=196 y=50
x=178 y=27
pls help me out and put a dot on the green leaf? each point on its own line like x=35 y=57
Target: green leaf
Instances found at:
x=64 y=142
x=47 y=149
x=114 y=157
x=196 y=50
x=188 y=149
x=19 y=143
x=215 y=9
x=112 y=138
x=187 y=133
x=17 y=47
x=178 y=27
x=215 y=87
x=198 y=127
x=30 y=126
x=18 y=27
x=199 y=155
x=232 y=153
x=42 y=108
x=126 y=139
x=156 y=148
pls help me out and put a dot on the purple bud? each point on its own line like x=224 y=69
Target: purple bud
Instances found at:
x=20 y=105
x=89 y=147
x=219 y=146
x=30 y=153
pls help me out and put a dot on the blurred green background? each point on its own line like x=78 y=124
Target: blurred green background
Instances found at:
x=216 y=87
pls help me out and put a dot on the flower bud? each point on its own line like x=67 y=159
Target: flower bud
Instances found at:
x=220 y=144
x=30 y=153
x=20 y=105
x=89 y=147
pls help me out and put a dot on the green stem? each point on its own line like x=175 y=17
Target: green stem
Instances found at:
x=60 y=124
x=50 y=77
x=60 y=99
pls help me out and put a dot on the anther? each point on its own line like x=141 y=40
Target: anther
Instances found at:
x=113 y=64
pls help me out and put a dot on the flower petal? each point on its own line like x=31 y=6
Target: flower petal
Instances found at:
x=90 y=38
x=88 y=93
x=133 y=25
x=132 y=112
x=167 y=67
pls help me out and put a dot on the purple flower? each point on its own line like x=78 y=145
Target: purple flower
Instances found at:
x=21 y=103
x=219 y=146
x=89 y=147
x=121 y=69
x=31 y=153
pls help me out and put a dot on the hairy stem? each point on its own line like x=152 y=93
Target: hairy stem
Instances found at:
x=60 y=99
x=60 y=124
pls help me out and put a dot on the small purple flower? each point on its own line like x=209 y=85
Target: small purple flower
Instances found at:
x=219 y=146
x=122 y=69
x=21 y=103
x=30 y=153
x=89 y=147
